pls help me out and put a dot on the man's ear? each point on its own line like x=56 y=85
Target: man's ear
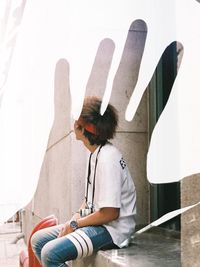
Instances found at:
x=82 y=130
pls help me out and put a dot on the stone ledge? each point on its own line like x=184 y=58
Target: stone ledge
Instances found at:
x=158 y=247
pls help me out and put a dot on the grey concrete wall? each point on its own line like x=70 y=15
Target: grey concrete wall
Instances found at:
x=190 y=222
x=61 y=183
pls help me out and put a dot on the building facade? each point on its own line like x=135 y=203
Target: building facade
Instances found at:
x=61 y=183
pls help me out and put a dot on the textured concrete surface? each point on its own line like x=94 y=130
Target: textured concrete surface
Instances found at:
x=190 y=221
x=156 y=248
x=10 y=246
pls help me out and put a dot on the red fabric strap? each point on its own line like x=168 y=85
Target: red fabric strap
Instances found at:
x=90 y=127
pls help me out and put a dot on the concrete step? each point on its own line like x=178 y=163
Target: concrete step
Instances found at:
x=155 y=248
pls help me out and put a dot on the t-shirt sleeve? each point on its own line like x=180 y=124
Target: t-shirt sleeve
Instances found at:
x=108 y=185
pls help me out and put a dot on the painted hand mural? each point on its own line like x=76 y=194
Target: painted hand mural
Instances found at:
x=73 y=30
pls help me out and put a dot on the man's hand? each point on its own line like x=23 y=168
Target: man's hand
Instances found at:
x=65 y=230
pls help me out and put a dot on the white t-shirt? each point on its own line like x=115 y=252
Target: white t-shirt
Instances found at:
x=114 y=187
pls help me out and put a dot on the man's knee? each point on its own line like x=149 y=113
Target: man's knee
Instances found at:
x=34 y=241
x=48 y=255
x=55 y=253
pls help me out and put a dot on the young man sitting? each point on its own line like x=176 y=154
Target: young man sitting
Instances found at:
x=106 y=217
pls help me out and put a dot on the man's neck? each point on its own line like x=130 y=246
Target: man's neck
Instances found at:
x=92 y=148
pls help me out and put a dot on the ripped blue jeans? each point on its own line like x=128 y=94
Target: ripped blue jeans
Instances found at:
x=55 y=252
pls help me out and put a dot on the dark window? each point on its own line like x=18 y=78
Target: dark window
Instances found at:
x=165 y=197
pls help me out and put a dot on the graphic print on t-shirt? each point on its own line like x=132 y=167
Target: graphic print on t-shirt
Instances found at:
x=122 y=163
